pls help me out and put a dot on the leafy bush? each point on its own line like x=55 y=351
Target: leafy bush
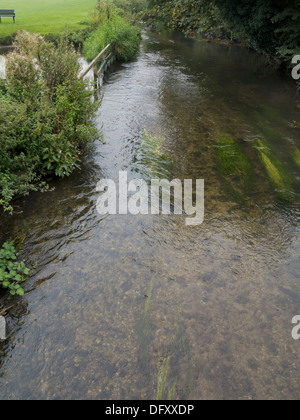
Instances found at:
x=46 y=116
x=268 y=26
x=131 y=6
x=12 y=272
x=75 y=38
x=114 y=29
x=288 y=31
x=189 y=16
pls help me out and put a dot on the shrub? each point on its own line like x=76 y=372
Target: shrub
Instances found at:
x=46 y=116
x=268 y=26
x=189 y=16
x=115 y=30
x=12 y=273
x=131 y=6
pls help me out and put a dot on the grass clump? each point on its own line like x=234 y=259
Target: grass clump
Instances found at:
x=112 y=27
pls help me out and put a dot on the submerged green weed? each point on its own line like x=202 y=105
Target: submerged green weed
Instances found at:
x=163 y=390
x=296 y=157
x=151 y=159
x=279 y=176
x=235 y=169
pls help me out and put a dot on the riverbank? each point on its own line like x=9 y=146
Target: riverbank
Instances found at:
x=269 y=28
x=54 y=147
x=46 y=117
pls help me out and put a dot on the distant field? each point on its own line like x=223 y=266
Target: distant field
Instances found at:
x=45 y=16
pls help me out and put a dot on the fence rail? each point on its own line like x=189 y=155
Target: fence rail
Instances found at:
x=106 y=58
x=94 y=62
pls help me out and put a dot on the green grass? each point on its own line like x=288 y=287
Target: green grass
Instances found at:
x=47 y=16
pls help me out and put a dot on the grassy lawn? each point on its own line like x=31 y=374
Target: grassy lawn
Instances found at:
x=45 y=16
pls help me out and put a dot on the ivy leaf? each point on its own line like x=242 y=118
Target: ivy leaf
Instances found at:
x=20 y=292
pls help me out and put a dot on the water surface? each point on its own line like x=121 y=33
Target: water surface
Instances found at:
x=125 y=307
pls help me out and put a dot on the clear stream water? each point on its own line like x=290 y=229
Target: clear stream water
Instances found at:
x=142 y=307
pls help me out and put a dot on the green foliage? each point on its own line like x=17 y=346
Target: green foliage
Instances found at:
x=266 y=25
x=269 y=26
x=288 y=31
x=111 y=28
x=45 y=116
x=131 y=7
x=189 y=16
x=12 y=272
x=75 y=38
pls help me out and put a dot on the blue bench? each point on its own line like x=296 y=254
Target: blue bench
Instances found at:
x=8 y=13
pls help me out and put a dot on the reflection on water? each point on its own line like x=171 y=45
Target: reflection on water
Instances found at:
x=145 y=307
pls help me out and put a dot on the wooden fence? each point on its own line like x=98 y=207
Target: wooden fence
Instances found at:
x=105 y=58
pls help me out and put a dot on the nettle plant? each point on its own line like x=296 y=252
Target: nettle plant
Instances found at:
x=12 y=272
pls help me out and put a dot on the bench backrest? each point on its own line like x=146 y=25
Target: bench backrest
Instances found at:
x=7 y=12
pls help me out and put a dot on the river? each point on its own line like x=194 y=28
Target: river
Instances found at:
x=144 y=307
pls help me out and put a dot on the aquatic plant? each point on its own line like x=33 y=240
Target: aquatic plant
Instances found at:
x=279 y=176
x=296 y=156
x=163 y=391
x=145 y=330
x=151 y=157
x=235 y=169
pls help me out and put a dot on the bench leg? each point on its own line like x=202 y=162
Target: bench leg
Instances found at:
x=14 y=20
